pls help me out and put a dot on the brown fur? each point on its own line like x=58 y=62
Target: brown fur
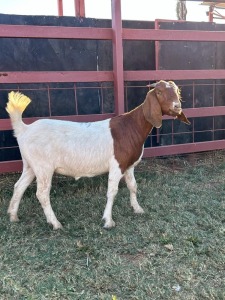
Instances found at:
x=152 y=110
x=129 y=132
x=183 y=118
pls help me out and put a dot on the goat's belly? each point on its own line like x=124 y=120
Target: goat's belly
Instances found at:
x=78 y=170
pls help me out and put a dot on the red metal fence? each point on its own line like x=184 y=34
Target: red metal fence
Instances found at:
x=118 y=76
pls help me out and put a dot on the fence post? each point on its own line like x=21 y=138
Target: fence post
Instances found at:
x=117 y=56
x=60 y=8
x=79 y=8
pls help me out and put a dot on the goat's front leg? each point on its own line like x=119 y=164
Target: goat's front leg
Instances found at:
x=21 y=185
x=113 y=182
x=43 y=192
x=132 y=186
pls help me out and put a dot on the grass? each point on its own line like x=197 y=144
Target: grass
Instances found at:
x=176 y=250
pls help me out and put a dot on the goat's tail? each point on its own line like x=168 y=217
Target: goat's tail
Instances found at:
x=16 y=105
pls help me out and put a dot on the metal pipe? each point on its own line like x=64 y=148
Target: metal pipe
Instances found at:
x=60 y=8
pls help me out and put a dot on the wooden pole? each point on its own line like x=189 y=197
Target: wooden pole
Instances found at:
x=117 y=56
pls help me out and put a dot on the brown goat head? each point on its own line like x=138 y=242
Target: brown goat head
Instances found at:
x=164 y=99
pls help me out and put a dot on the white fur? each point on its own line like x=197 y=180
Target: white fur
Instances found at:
x=176 y=105
x=68 y=148
x=168 y=85
x=73 y=149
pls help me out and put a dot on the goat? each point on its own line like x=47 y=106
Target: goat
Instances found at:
x=113 y=146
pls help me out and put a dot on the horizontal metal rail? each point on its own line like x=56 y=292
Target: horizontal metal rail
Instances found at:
x=173 y=35
x=56 y=76
x=5 y=124
x=11 y=166
x=184 y=148
x=173 y=74
x=55 y=32
x=60 y=32
x=107 y=76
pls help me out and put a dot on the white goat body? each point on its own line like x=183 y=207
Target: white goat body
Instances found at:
x=68 y=148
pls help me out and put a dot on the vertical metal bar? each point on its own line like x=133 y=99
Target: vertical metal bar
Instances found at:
x=126 y=98
x=60 y=8
x=157 y=47
x=210 y=13
x=157 y=67
x=49 y=102
x=75 y=98
x=79 y=8
x=117 y=56
x=213 y=137
x=193 y=105
x=157 y=136
x=103 y=98
x=101 y=94
x=172 y=133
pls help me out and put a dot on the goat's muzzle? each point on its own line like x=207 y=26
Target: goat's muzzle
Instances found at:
x=175 y=112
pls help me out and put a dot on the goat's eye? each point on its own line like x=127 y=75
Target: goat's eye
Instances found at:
x=159 y=93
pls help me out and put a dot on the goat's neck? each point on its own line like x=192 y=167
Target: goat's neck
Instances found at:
x=140 y=123
x=129 y=132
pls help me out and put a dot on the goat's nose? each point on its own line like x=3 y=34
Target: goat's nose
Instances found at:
x=176 y=105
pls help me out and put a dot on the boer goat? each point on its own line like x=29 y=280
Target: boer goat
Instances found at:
x=88 y=149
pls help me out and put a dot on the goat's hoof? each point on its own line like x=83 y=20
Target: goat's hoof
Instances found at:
x=13 y=218
x=57 y=226
x=138 y=210
x=109 y=224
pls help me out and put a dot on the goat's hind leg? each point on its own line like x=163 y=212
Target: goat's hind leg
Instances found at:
x=43 y=195
x=19 y=188
x=132 y=186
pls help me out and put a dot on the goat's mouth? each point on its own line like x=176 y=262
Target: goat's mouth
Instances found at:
x=175 y=112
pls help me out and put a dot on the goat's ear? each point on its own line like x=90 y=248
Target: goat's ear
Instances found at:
x=152 y=110
x=183 y=118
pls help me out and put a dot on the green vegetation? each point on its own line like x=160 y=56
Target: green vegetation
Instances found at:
x=176 y=250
